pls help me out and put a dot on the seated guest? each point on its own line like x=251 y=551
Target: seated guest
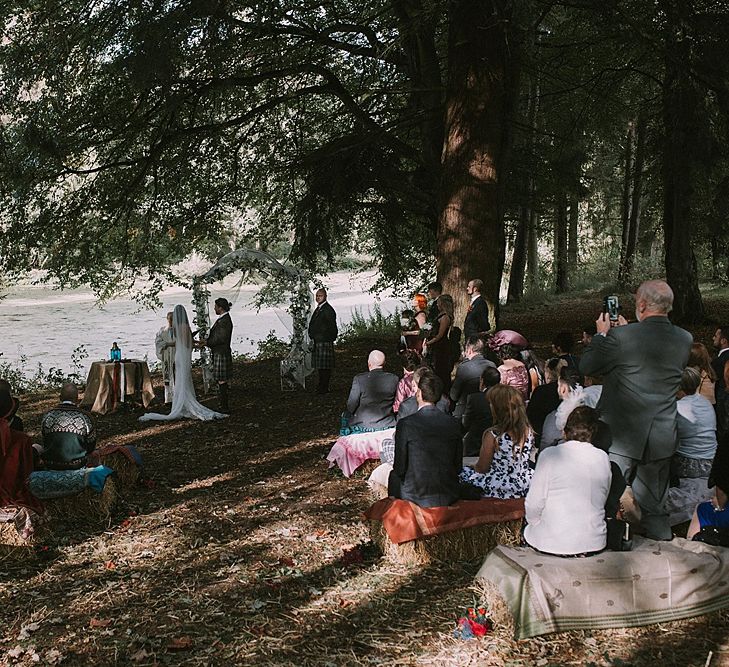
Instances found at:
x=68 y=433
x=406 y=388
x=16 y=423
x=562 y=345
x=545 y=398
x=571 y=394
x=427 y=452
x=691 y=464
x=565 y=505
x=477 y=415
x=513 y=371
x=714 y=515
x=503 y=468
x=700 y=360
x=588 y=331
x=535 y=366
x=410 y=405
x=369 y=406
x=468 y=374
x=16 y=459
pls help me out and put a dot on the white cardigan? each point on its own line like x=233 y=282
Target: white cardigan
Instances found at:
x=565 y=506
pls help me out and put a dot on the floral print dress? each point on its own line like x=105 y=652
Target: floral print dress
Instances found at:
x=509 y=476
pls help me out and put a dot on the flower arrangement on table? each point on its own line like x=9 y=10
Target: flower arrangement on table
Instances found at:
x=476 y=624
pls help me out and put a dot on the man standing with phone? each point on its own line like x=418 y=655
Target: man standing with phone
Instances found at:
x=641 y=365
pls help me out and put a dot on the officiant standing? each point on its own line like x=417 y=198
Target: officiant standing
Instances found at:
x=164 y=345
x=218 y=341
x=323 y=332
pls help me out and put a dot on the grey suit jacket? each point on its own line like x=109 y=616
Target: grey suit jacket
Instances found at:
x=468 y=378
x=641 y=365
x=371 y=398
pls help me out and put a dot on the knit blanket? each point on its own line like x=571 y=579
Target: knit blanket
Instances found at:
x=654 y=583
x=349 y=452
x=405 y=521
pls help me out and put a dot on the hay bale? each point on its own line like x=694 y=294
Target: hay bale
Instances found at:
x=127 y=472
x=463 y=544
x=377 y=490
x=14 y=546
x=87 y=508
x=490 y=597
x=366 y=469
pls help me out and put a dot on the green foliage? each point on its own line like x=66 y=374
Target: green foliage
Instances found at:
x=373 y=324
x=25 y=380
x=272 y=347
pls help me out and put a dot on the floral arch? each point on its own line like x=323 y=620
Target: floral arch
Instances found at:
x=297 y=366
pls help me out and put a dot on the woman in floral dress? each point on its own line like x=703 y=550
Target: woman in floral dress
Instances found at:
x=503 y=468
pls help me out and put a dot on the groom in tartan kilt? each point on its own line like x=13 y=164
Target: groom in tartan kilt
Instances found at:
x=323 y=332
x=218 y=341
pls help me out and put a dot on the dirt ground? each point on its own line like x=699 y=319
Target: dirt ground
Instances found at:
x=241 y=549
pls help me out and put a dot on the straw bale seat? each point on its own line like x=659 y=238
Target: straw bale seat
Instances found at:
x=17 y=543
x=469 y=529
x=121 y=459
x=87 y=508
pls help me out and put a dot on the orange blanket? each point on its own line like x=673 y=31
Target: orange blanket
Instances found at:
x=405 y=521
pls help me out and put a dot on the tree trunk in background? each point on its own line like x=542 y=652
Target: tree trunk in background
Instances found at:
x=572 y=236
x=716 y=253
x=635 y=202
x=518 y=262
x=679 y=159
x=533 y=251
x=626 y=200
x=561 y=280
x=483 y=69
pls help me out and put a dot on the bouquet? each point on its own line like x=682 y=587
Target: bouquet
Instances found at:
x=476 y=624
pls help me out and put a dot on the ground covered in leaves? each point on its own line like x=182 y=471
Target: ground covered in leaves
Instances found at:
x=243 y=549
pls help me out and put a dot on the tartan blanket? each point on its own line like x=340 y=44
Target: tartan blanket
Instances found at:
x=405 y=521
x=349 y=452
x=654 y=583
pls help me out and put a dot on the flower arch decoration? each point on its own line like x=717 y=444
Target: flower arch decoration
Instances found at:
x=297 y=366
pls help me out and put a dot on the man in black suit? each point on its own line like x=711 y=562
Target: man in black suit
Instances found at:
x=323 y=332
x=427 y=452
x=370 y=400
x=434 y=291
x=468 y=375
x=477 y=415
x=721 y=343
x=477 y=317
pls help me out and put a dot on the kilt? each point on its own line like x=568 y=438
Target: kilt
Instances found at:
x=222 y=365
x=323 y=355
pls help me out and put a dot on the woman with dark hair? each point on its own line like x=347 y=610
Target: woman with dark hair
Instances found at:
x=218 y=341
x=700 y=360
x=513 y=371
x=545 y=398
x=565 y=506
x=438 y=347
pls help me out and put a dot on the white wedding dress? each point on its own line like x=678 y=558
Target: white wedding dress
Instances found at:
x=184 y=400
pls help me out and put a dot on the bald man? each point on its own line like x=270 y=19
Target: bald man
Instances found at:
x=372 y=395
x=323 y=332
x=641 y=365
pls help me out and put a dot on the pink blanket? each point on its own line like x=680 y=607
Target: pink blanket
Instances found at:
x=349 y=452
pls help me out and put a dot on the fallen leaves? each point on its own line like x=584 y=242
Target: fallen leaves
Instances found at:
x=100 y=622
x=180 y=644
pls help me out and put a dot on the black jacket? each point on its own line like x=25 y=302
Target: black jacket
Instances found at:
x=371 y=398
x=476 y=419
x=427 y=459
x=220 y=335
x=468 y=381
x=477 y=318
x=323 y=324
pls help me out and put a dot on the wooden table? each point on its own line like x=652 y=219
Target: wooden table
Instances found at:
x=112 y=382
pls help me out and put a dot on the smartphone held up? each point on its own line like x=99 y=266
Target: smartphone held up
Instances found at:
x=611 y=306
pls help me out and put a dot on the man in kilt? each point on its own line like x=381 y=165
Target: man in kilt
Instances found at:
x=218 y=341
x=323 y=332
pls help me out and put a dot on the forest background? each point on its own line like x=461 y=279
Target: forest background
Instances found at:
x=565 y=144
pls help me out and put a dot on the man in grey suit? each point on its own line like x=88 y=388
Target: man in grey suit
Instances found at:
x=370 y=400
x=641 y=365
x=468 y=375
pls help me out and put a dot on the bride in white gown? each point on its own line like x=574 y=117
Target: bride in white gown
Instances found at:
x=184 y=400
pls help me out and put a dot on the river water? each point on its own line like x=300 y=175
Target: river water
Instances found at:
x=41 y=325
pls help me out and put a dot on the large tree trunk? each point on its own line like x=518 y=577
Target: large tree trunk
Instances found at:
x=483 y=67
x=679 y=160
x=533 y=251
x=561 y=280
